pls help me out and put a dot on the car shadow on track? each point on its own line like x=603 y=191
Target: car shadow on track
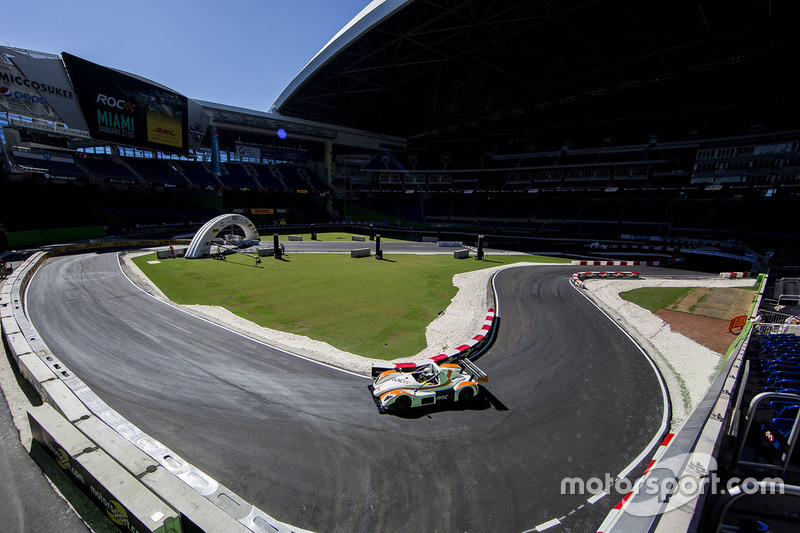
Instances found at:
x=483 y=401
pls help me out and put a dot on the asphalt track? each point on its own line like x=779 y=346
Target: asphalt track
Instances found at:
x=569 y=396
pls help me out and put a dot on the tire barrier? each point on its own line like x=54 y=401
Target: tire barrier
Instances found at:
x=139 y=482
x=584 y=262
x=578 y=277
x=466 y=350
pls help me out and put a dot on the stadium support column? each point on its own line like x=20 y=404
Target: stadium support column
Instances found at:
x=215 y=158
x=479 y=256
x=327 y=172
x=276 y=246
x=378 y=251
x=371 y=233
x=329 y=164
x=313 y=233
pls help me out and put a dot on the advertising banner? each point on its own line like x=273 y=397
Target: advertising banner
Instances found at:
x=248 y=151
x=37 y=87
x=128 y=110
x=215 y=156
x=199 y=120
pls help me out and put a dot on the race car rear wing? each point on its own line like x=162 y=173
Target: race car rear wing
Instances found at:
x=470 y=368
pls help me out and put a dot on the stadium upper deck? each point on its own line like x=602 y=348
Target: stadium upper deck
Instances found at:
x=449 y=70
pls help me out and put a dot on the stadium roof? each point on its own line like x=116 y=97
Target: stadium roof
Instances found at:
x=431 y=68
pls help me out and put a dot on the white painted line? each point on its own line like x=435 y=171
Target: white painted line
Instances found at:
x=597 y=497
x=547 y=525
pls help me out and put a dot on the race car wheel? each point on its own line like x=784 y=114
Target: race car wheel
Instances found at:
x=402 y=403
x=466 y=395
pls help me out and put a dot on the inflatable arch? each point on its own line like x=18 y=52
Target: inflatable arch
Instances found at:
x=201 y=242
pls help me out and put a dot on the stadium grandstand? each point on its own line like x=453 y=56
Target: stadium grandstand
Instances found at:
x=536 y=122
x=668 y=121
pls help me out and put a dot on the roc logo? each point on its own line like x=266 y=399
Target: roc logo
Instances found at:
x=117 y=103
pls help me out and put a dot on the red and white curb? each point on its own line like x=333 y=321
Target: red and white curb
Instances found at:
x=455 y=353
x=619 y=509
x=584 y=262
x=578 y=277
x=735 y=274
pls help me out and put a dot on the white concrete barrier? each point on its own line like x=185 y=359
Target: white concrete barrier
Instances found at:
x=359 y=238
x=360 y=252
x=295 y=237
x=461 y=254
x=266 y=252
x=9 y=325
x=59 y=395
x=18 y=345
x=198 y=509
x=129 y=504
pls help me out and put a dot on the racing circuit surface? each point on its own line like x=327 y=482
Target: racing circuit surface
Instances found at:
x=569 y=395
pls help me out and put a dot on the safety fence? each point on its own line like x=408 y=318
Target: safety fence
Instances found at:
x=139 y=482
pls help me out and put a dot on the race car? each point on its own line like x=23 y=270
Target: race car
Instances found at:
x=427 y=385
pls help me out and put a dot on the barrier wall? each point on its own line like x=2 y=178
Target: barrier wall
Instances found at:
x=142 y=484
x=585 y=262
x=578 y=277
x=360 y=252
x=469 y=349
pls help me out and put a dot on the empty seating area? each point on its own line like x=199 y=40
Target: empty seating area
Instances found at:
x=237 y=176
x=758 y=444
x=155 y=171
x=270 y=178
x=106 y=169
x=52 y=167
x=197 y=174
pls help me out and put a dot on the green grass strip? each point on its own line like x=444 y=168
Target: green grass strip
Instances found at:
x=377 y=309
x=655 y=298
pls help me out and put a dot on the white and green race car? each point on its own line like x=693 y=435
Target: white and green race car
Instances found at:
x=429 y=384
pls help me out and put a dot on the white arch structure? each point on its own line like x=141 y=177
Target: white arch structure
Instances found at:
x=201 y=242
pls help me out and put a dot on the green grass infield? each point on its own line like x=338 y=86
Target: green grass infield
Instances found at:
x=376 y=309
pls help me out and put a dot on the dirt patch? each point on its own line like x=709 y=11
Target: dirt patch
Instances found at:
x=721 y=303
x=709 y=332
